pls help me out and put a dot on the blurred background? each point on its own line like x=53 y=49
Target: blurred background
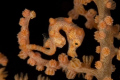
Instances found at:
x=45 y=9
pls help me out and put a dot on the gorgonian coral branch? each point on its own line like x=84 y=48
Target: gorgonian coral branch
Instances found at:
x=104 y=35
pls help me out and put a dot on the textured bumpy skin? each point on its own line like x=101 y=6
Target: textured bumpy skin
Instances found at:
x=74 y=34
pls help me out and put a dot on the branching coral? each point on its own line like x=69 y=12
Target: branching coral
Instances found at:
x=3 y=62
x=104 y=34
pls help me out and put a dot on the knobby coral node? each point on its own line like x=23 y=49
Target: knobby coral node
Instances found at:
x=105 y=51
x=98 y=49
x=98 y=64
x=26 y=13
x=108 y=20
x=118 y=55
x=63 y=58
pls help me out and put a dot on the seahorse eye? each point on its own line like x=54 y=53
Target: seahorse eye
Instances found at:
x=76 y=43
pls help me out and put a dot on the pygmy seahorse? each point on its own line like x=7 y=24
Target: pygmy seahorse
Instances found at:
x=74 y=34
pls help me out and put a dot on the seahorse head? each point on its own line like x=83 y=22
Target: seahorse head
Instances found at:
x=75 y=38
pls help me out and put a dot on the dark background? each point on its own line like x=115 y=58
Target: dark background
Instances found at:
x=45 y=9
